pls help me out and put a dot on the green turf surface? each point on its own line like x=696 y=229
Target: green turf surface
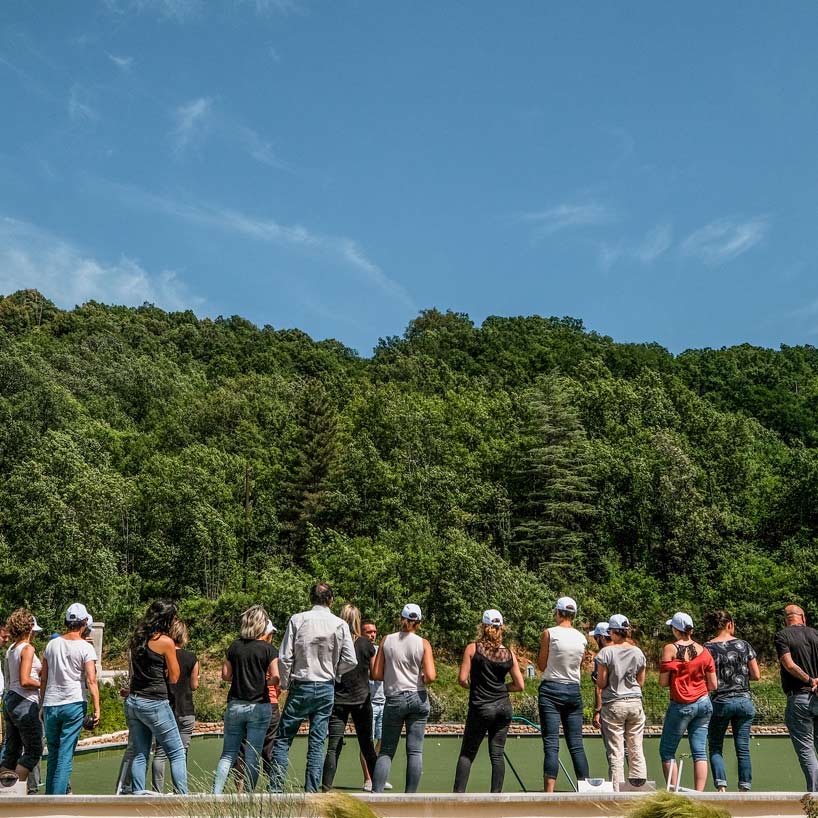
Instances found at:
x=774 y=765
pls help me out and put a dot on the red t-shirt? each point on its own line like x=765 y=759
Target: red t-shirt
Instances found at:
x=687 y=678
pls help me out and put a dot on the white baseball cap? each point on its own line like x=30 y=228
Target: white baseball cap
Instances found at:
x=76 y=613
x=411 y=611
x=681 y=621
x=492 y=617
x=566 y=605
x=601 y=629
x=270 y=628
x=35 y=627
x=619 y=622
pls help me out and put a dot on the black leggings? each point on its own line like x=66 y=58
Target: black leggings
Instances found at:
x=362 y=719
x=493 y=719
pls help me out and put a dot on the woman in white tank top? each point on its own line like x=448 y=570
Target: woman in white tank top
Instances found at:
x=562 y=649
x=21 y=700
x=405 y=664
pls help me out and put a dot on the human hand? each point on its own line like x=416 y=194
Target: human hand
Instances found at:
x=596 y=721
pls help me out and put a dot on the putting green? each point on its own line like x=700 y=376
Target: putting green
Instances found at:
x=775 y=766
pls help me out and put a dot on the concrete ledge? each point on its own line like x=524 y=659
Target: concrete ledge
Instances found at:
x=430 y=805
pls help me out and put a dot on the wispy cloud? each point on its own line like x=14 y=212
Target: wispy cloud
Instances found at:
x=123 y=63
x=723 y=240
x=273 y=54
x=341 y=249
x=191 y=119
x=80 y=108
x=196 y=120
x=273 y=6
x=179 y=10
x=655 y=244
x=31 y=257
x=564 y=216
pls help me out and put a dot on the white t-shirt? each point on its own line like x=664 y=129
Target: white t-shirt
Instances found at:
x=14 y=659
x=565 y=654
x=66 y=660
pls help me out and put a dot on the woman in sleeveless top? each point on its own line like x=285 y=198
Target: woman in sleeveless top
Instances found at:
x=405 y=664
x=688 y=670
x=23 y=748
x=562 y=649
x=147 y=709
x=486 y=664
x=736 y=667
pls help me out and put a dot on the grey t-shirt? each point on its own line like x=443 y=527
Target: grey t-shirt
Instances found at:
x=624 y=663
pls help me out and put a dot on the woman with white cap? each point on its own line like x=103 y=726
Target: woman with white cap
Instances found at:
x=486 y=664
x=620 y=678
x=687 y=668
x=23 y=746
x=352 y=700
x=602 y=638
x=562 y=649
x=406 y=665
x=251 y=663
x=69 y=667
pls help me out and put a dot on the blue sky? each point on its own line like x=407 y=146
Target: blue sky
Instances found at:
x=338 y=166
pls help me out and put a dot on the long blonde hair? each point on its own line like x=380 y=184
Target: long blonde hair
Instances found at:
x=490 y=636
x=352 y=616
x=253 y=623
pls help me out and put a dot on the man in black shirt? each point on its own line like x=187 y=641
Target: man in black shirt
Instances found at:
x=797 y=647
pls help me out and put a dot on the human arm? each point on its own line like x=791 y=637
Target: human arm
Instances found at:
x=43 y=681
x=273 y=676
x=227 y=671
x=429 y=670
x=754 y=670
x=668 y=652
x=93 y=687
x=286 y=654
x=166 y=647
x=347 y=659
x=26 y=661
x=517 y=683
x=542 y=655
x=194 y=676
x=376 y=674
x=465 y=666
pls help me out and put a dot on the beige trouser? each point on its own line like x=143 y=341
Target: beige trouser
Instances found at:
x=623 y=724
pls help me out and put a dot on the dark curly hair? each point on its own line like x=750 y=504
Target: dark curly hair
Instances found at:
x=158 y=619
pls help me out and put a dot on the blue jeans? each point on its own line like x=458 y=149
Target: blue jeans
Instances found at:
x=305 y=700
x=243 y=720
x=150 y=719
x=561 y=703
x=63 y=725
x=412 y=709
x=693 y=717
x=377 y=721
x=739 y=712
x=801 y=718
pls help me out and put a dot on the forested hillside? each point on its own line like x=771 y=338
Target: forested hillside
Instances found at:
x=146 y=453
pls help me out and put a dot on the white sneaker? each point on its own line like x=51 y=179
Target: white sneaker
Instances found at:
x=387 y=786
x=367 y=787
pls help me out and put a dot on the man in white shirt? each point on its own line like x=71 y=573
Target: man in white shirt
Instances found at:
x=317 y=649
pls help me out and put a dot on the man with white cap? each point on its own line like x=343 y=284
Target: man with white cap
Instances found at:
x=562 y=649
x=317 y=649
x=620 y=678
x=405 y=664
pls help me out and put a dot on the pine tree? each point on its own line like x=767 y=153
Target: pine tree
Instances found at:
x=554 y=485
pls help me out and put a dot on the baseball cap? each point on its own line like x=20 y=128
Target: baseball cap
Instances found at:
x=35 y=627
x=619 y=622
x=680 y=621
x=76 y=613
x=411 y=611
x=492 y=617
x=90 y=622
x=566 y=605
x=270 y=628
x=601 y=629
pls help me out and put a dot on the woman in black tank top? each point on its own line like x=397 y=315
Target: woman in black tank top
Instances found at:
x=486 y=664
x=153 y=666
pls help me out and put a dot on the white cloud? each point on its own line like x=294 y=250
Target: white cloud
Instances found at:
x=723 y=240
x=339 y=248
x=655 y=244
x=191 y=120
x=31 y=257
x=277 y=6
x=563 y=216
x=80 y=108
x=273 y=54
x=124 y=63
x=608 y=255
x=179 y=10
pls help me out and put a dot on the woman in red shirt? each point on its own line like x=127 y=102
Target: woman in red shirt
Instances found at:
x=690 y=673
